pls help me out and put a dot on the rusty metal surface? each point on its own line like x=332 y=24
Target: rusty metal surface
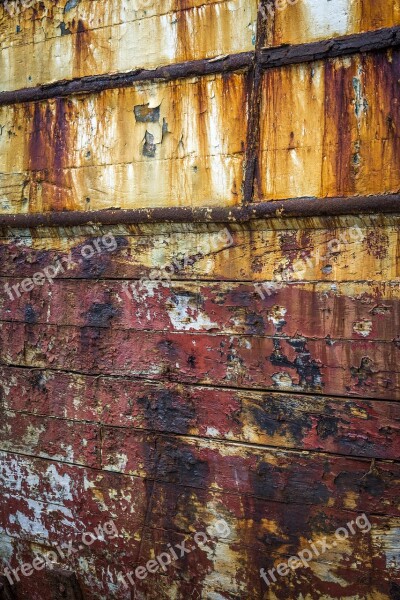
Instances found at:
x=200 y=359
x=154 y=144
x=311 y=20
x=300 y=207
x=269 y=57
x=99 y=83
x=52 y=41
x=331 y=128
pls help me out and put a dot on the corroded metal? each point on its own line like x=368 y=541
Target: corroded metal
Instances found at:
x=300 y=207
x=99 y=83
x=268 y=57
x=222 y=359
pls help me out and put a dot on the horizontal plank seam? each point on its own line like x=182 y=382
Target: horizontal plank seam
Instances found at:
x=153 y=433
x=200 y=384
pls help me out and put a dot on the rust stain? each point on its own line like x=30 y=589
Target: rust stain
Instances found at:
x=200 y=398
x=48 y=147
x=335 y=139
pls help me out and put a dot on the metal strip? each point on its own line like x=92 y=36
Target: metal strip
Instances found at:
x=99 y=83
x=298 y=207
x=267 y=58
x=380 y=39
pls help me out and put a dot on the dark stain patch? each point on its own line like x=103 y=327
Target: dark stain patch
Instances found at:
x=269 y=482
x=282 y=417
x=168 y=348
x=307 y=369
x=371 y=482
x=64 y=29
x=89 y=341
x=100 y=315
x=376 y=244
x=327 y=426
x=179 y=465
x=191 y=361
x=29 y=314
x=241 y=298
x=38 y=381
x=254 y=324
x=149 y=146
x=168 y=411
x=394 y=591
x=144 y=114
x=364 y=372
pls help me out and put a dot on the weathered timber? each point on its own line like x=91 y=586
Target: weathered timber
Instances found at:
x=352 y=427
x=369 y=311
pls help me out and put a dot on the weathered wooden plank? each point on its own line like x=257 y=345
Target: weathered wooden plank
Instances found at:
x=275 y=475
x=46 y=43
x=303 y=21
x=66 y=441
x=335 y=250
x=261 y=532
x=336 y=139
x=366 y=310
x=354 y=427
x=147 y=145
x=339 y=367
x=222 y=557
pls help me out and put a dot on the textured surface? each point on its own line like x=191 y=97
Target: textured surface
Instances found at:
x=100 y=392
x=258 y=382
x=331 y=128
x=62 y=40
x=137 y=147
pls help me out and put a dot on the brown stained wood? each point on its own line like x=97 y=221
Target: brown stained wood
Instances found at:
x=339 y=367
x=352 y=427
x=354 y=310
x=346 y=249
x=271 y=523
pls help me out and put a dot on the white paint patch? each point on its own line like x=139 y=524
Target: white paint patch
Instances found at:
x=276 y=315
x=32 y=435
x=363 y=327
x=6 y=547
x=185 y=315
x=60 y=484
x=69 y=453
x=389 y=541
x=119 y=464
x=328 y=17
x=212 y=432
